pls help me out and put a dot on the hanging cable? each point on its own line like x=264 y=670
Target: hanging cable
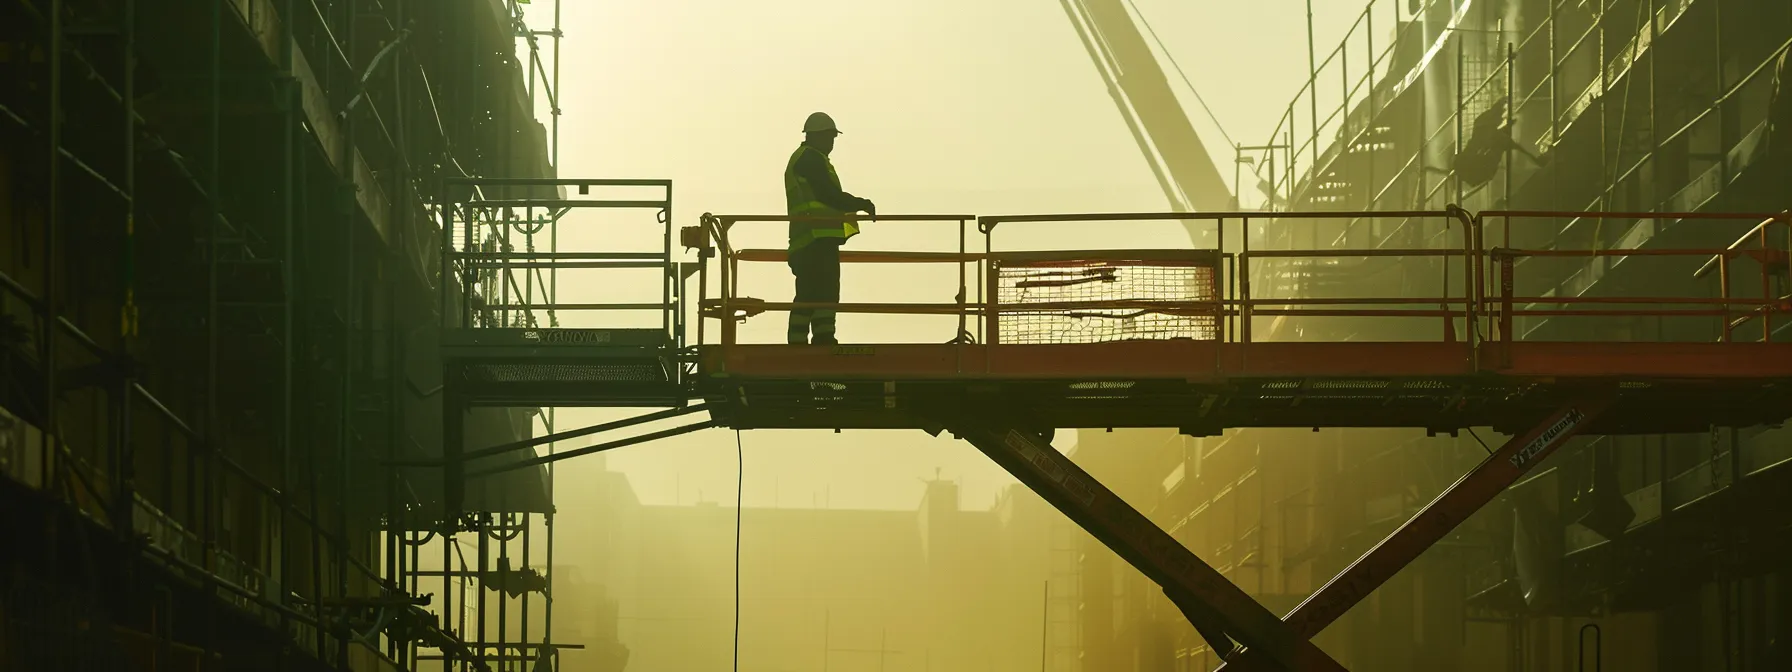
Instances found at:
x=1484 y=446
x=1185 y=81
x=740 y=480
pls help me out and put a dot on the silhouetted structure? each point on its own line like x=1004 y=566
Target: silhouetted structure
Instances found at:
x=1670 y=545
x=218 y=290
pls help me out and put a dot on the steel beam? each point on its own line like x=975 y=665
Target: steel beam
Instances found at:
x=552 y=437
x=587 y=450
x=1221 y=611
x=1457 y=502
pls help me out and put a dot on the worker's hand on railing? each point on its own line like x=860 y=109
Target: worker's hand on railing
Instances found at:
x=868 y=207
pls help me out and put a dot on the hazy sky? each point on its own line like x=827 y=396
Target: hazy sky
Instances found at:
x=967 y=106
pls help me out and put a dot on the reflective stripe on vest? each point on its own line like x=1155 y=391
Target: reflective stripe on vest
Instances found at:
x=800 y=201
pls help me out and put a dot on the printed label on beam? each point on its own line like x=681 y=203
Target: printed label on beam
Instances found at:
x=1569 y=421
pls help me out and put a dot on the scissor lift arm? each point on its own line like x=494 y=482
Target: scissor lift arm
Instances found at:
x=1223 y=613
x=1219 y=610
x=1429 y=526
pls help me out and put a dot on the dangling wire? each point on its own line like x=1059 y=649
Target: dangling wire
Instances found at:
x=740 y=480
x=1484 y=446
x=1178 y=68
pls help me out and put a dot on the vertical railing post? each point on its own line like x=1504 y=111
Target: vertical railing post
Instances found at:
x=445 y=263
x=506 y=225
x=1244 y=281
x=1461 y=75
x=1292 y=158
x=1223 y=272
x=992 y=268
x=703 y=254
x=1483 y=311
x=503 y=539
x=1766 y=287
x=1313 y=83
x=672 y=275
x=1468 y=280
x=963 y=288
x=1372 y=58
x=1506 y=285
x=547 y=522
x=1723 y=281
x=483 y=575
x=1374 y=113
x=1344 y=104
x=1222 y=315
x=727 y=289
x=468 y=278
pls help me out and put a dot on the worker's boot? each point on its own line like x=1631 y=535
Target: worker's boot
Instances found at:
x=823 y=325
x=798 y=333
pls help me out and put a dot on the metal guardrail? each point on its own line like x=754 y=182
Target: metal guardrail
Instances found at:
x=1500 y=268
x=489 y=282
x=1478 y=289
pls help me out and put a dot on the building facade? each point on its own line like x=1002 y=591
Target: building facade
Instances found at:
x=1633 y=552
x=217 y=303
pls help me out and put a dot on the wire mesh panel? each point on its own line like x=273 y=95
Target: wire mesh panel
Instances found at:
x=1094 y=300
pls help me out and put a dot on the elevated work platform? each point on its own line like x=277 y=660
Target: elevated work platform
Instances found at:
x=1164 y=338
x=531 y=367
x=1205 y=387
x=1158 y=338
x=506 y=346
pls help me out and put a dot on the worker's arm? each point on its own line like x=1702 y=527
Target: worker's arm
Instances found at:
x=810 y=167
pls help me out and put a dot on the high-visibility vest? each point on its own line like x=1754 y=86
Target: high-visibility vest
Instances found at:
x=800 y=201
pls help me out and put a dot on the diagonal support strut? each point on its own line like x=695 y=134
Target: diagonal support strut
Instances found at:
x=1430 y=525
x=1220 y=611
x=555 y=437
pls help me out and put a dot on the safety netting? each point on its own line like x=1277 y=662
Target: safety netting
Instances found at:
x=1096 y=300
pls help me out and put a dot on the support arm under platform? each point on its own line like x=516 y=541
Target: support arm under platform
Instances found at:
x=1220 y=611
x=1430 y=525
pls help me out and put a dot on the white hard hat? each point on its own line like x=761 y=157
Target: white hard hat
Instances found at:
x=820 y=122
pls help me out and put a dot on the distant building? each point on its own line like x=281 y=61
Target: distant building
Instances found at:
x=593 y=572
x=937 y=588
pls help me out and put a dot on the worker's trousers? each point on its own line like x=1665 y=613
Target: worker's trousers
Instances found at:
x=817 y=269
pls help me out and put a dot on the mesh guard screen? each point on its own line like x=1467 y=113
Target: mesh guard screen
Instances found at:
x=1101 y=300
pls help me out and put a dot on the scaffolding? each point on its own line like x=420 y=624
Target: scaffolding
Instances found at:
x=502 y=573
x=221 y=437
x=1580 y=68
x=1651 y=106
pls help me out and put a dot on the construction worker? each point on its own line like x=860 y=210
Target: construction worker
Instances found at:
x=812 y=189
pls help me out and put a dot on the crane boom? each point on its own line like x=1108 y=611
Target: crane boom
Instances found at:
x=1137 y=83
x=1190 y=181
